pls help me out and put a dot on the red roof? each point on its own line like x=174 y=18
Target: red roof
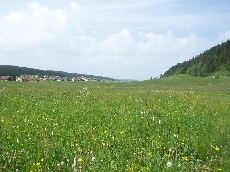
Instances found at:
x=4 y=78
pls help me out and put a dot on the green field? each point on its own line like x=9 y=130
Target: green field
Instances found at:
x=171 y=124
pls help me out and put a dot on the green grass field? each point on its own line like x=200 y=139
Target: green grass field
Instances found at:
x=171 y=124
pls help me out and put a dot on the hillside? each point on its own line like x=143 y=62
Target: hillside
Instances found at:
x=213 y=61
x=8 y=70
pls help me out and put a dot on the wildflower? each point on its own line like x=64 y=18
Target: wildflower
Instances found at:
x=217 y=148
x=219 y=169
x=122 y=132
x=79 y=160
x=175 y=135
x=150 y=153
x=8 y=137
x=130 y=169
x=93 y=158
x=76 y=144
x=169 y=164
x=38 y=164
x=74 y=162
x=185 y=158
x=168 y=155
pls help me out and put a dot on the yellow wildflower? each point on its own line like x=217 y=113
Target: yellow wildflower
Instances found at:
x=79 y=160
x=168 y=155
x=185 y=158
x=130 y=169
x=38 y=164
x=150 y=153
x=217 y=148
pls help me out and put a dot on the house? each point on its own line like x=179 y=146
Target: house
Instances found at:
x=83 y=79
x=32 y=79
x=5 y=78
x=27 y=79
x=18 y=78
x=74 y=79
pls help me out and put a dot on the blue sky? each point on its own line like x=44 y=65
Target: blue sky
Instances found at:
x=123 y=39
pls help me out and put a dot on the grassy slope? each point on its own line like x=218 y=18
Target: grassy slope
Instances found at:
x=187 y=82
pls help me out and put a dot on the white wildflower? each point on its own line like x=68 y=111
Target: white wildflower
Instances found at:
x=74 y=162
x=175 y=135
x=169 y=164
x=93 y=158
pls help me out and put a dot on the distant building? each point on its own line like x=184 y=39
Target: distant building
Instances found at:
x=5 y=78
x=27 y=79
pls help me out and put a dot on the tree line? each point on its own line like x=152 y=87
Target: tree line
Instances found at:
x=10 y=70
x=213 y=60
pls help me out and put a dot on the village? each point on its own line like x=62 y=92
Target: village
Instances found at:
x=35 y=78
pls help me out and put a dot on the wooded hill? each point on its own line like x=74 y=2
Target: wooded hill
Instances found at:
x=213 y=61
x=8 y=70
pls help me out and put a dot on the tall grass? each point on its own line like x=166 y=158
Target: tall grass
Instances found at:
x=113 y=127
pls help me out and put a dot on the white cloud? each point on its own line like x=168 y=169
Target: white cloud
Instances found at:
x=167 y=44
x=74 y=6
x=15 y=17
x=117 y=44
x=47 y=19
x=37 y=27
x=224 y=36
x=114 y=41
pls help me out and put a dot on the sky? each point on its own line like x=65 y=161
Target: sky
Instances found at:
x=121 y=39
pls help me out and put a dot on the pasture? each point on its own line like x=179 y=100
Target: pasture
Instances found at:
x=170 y=124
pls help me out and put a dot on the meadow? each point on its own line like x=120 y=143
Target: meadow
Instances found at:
x=171 y=124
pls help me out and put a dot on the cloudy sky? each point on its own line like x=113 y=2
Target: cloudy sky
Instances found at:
x=122 y=39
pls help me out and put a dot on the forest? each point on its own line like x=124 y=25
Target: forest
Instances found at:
x=10 y=70
x=208 y=63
